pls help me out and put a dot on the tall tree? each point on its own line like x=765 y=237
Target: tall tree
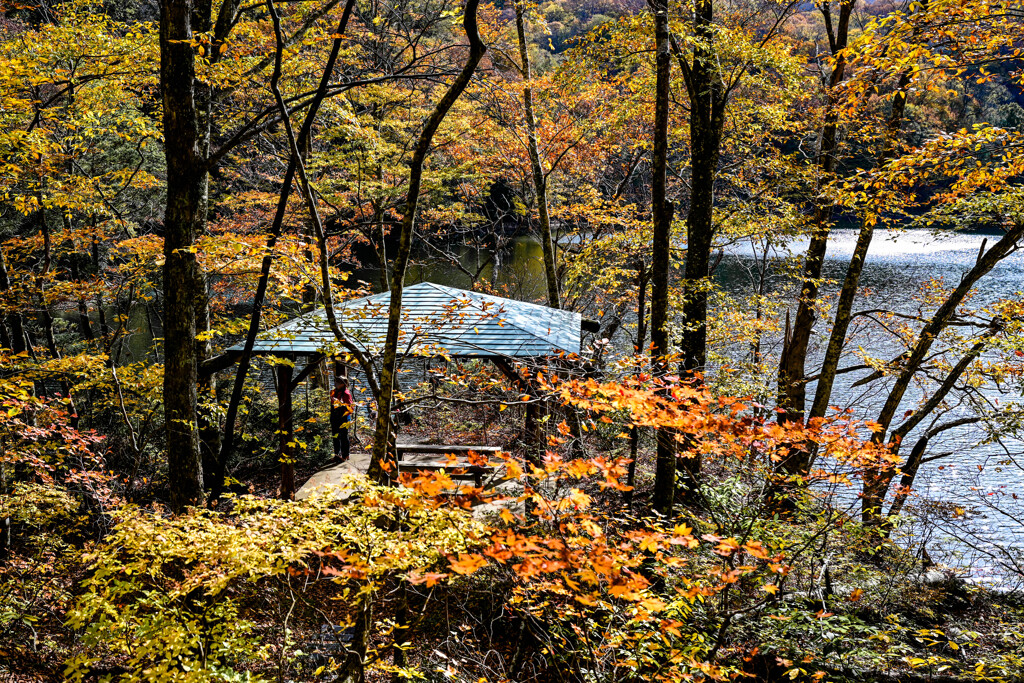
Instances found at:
x=540 y=181
x=710 y=84
x=792 y=378
x=708 y=94
x=384 y=434
x=187 y=119
x=661 y=210
x=184 y=222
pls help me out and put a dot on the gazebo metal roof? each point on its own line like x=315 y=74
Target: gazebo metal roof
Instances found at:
x=436 y=320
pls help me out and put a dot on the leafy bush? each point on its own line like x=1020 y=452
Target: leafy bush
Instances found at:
x=184 y=598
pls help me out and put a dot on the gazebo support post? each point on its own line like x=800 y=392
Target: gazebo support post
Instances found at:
x=312 y=364
x=286 y=430
x=531 y=426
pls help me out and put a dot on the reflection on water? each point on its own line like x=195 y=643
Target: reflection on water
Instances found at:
x=517 y=271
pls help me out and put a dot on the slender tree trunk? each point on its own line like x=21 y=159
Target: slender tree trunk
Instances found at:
x=206 y=392
x=352 y=667
x=183 y=223
x=707 y=120
x=207 y=404
x=641 y=339
x=207 y=395
x=319 y=378
x=383 y=437
x=259 y=298
x=381 y=236
x=403 y=623
x=792 y=379
x=916 y=458
x=101 y=314
x=84 y=323
x=46 y=310
x=851 y=284
x=910 y=469
x=540 y=182
x=44 y=307
x=661 y=210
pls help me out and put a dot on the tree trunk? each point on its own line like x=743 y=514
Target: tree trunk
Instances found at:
x=46 y=310
x=100 y=312
x=844 y=308
x=84 y=323
x=46 y=315
x=352 y=668
x=262 y=284
x=207 y=401
x=661 y=210
x=641 y=338
x=183 y=223
x=540 y=182
x=384 y=435
x=707 y=120
x=403 y=624
x=14 y=320
x=792 y=378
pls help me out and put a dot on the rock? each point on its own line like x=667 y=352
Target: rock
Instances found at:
x=932 y=577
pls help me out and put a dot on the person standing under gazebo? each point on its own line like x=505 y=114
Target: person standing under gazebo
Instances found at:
x=342 y=413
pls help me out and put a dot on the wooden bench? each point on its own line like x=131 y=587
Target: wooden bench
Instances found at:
x=454 y=470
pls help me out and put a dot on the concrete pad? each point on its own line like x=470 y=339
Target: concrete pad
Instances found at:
x=330 y=477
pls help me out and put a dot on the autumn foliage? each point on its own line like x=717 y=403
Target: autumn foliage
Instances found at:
x=725 y=483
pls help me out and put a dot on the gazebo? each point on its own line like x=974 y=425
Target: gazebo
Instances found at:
x=437 y=321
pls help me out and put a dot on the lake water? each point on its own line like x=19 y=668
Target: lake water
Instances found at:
x=982 y=479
